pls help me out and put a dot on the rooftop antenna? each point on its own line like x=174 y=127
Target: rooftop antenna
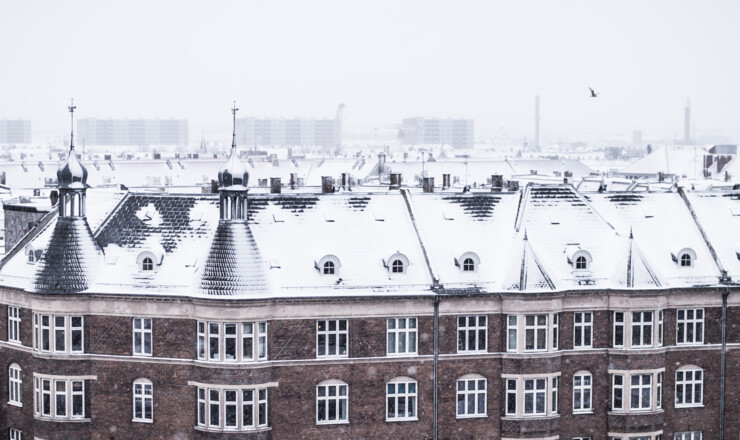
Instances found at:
x=72 y=108
x=233 y=135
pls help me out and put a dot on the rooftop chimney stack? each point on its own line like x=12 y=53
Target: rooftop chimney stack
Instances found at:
x=345 y=182
x=428 y=184
x=327 y=185
x=445 y=181
x=275 y=185
x=293 y=180
x=395 y=181
x=513 y=185
x=497 y=183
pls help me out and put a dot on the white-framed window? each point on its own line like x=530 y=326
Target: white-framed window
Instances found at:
x=401 y=399
x=468 y=265
x=232 y=341
x=15 y=385
x=15 y=434
x=147 y=264
x=332 y=337
x=329 y=268
x=231 y=408
x=397 y=264
x=583 y=330
x=535 y=327
x=531 y=395
x=582 y=392
x=581 y=438
x=528 y=333
x=472 y=333
x=332 y=402
x=14 y=324
x=58 y=333
x=468 y=262
x=656 y=435
x=402 y=336
x=512 y=333
x=636 y=391
x=687 y=435
x=142 y=336
x=689 y=386
x=690 y=326
x=328 y=265
x=471 y=396
x=143 y=400
x=59 y=398
x=637 y=329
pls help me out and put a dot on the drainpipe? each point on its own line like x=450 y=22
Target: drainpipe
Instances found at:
x=436 y=363
x=725 y=294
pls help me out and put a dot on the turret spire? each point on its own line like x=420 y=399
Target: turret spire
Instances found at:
x=72 y=108
x=233 y=134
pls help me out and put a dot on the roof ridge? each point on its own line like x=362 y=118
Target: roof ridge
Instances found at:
x=30 y=235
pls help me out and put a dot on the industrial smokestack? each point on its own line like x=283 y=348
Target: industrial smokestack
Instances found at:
x=687 y=123
x=536 y=145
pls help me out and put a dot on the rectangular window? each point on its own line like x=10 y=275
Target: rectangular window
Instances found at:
x=642 y=329
x=511 y=395
x=555 y=330
x=582 y=393
x=214 y=329
x=661 y=315
x=512 y=332
x=262 y=342
x=401 y=401
x=214 y=408
x=16 y=434
x=583 y=329
x=472 y=333
x=401 y=336
x=535 y=328
x=331 y=338
x=144 y=401
x=640 y=390
x=232 y=342
x=687 y=435
x=534 y=396
x=690 y=326
x=659 y=391
x=554 y=392
x=62 y=333
x=689 y=385
x=76 y=332
x=59 y=398
x=230 y=409
x=248 y=408
x=617 y=392
x=471 y=397
x=15 y=385
x=201 y=340
x=331 y=403
x=14 y=324
x=142 y=336
x=618 y=329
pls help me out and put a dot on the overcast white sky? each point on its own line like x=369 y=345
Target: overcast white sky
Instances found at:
x=384 y=59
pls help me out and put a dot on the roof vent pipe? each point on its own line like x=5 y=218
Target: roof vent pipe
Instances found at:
x=275 y=185
x=497 y=182
x=445 y=181
x=395 y=181
x=428 y=184
x=327 y=184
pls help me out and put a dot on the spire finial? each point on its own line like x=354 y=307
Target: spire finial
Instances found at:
x=525 y=234
x=233 y=135
x=631 y=232
x=72 y=108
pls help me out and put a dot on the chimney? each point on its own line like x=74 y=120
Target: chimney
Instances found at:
x=381 y=163
x=327 y=184
x=497 y=182
x=214 y=186
x=345 y=181
x=293 y=180
x=445 y=181
x=53 y=197
x=568 y=174
x=513 y=185
x=275 y=185
x=661 y=176
x=395 y=181
x=428 y=184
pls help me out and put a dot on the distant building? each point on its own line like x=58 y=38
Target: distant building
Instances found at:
x=93 y=131
x=323 y=132
x=15 y=131
x=456 y=132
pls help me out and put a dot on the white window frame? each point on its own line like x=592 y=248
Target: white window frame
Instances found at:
x=684 y=323
x=519 y=328
x=143 y=394
x=626 y=388
x=215 y=332
x=687 y=435
x=14 y=325
x=655 y=435
x=533 y=327
x=583 y=383
x=252 y=396
x=330 y=392
x=512 y=333
x=73 y=391
x=17 y=434
x=475 y=325
x=402 y=401
x=141 y=336
x=49 y=333
x=15 y=385
x=472 y=396
x=328 y=329
x=624 y=321
x=516 y=393
x=644 y=399
x=583 y=323
x=402 y=336
x=688 y=386
x=645 y=324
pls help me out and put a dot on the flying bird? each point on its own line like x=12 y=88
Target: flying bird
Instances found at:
x=593 y=94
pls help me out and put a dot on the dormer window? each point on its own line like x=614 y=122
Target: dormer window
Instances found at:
x=34 y=255
x=328 y=265
x=150 y=260
x=468 y=262
x=468 y=265
x=684 y=258
x=581 y=263
x=147 y=264
x=579 y=258
x=31 y=257
x=397 y=264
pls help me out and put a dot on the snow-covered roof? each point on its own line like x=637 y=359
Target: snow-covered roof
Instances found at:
x=682 y=160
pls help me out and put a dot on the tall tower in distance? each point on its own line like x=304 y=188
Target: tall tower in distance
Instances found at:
x=536 y=143
x=687 y=122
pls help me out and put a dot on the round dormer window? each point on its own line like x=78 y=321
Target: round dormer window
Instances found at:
x=468 y=262
x=397 y=264
x=328 y=265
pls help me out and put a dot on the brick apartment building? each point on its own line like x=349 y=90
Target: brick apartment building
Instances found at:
x=539 y=313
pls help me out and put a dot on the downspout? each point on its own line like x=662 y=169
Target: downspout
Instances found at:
x=436 y=363
x=723 y=361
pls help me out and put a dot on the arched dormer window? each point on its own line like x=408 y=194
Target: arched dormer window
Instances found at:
x=150 y=260
x=328 y=265
x=581 y=262
x=147 y=264
x=579 y=258
x=397 y=264
x=684 y=257
x=34 y=255
x=468 y=262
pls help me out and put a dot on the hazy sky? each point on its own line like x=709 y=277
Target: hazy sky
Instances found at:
x=384 y=59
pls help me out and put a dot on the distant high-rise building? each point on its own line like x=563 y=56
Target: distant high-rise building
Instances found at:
x=93 y=131
x=15 y=131
x=457 y=132
x=322 y=132
x=687 y=123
